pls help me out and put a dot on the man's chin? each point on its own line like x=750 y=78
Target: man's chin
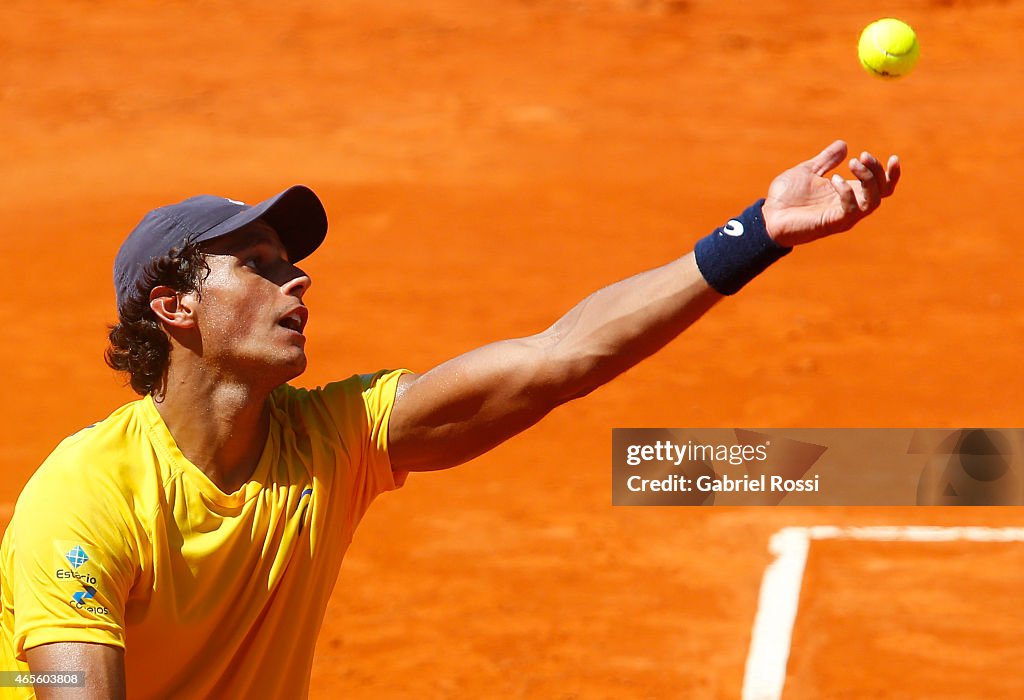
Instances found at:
x=284 y=371
x=297 y=367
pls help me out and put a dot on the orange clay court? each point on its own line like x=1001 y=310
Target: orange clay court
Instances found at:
x=485 y=164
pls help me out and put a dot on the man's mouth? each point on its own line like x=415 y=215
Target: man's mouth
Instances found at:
x=296 y=320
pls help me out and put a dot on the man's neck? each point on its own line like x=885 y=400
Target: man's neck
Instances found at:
x=220 y=426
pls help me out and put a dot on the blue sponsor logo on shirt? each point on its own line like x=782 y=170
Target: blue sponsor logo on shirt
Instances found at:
x=88 y=593
x=77 y=557
x=81 y=601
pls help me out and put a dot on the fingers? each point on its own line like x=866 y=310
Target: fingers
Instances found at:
x=877 y=172
x=847 y=197
x=876 y=182
x=829 y=158
x=869 y=171
x=893 y=169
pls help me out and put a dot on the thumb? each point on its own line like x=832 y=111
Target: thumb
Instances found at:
x=833 y=155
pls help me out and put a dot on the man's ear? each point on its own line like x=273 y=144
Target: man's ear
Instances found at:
x=172 y=308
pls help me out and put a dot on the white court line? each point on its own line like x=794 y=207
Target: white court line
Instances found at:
x=765 y=673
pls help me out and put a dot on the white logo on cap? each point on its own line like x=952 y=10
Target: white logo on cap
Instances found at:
x=235 y=201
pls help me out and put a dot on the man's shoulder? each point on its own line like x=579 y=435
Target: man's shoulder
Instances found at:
x=98 y=455
x=311 y=409
x=115 y=433
x=334 y=398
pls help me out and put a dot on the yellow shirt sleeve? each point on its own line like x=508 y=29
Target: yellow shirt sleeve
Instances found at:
x=347 y=422
x=71 y=556
x=362 y=420
x=378 y=394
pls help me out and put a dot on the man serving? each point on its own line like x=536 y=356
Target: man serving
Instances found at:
x=186 y=546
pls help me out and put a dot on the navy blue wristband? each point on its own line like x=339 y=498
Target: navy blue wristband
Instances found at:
x=738 y=252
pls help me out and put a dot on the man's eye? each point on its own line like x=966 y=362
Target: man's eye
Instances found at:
x=252 y=263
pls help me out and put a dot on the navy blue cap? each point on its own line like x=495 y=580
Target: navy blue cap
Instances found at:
x=296 y=214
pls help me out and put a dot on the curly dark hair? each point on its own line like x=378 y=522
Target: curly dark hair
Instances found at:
x=139 y=346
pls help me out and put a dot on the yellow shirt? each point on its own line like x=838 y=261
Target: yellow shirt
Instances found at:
x=118 y=539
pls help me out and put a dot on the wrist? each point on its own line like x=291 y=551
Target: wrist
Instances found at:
x=734 y=254
x=768 y=215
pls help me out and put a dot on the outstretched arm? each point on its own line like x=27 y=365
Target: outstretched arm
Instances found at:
x=468 y=405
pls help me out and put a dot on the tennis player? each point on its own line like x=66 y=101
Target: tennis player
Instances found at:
x=186 y=545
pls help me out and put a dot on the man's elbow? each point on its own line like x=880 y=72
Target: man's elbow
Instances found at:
x=570 y=371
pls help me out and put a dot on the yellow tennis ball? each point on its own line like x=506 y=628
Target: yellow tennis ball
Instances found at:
x=888 y=48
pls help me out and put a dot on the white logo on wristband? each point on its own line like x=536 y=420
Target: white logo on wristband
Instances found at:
x=733 y=228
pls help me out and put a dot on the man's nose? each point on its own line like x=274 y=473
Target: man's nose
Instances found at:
x=297 y=285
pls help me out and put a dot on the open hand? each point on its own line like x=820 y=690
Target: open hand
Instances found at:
x=803 y=205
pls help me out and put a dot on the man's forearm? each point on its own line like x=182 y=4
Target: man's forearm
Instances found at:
x=618 y=326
